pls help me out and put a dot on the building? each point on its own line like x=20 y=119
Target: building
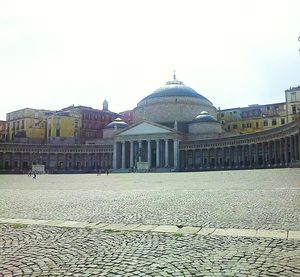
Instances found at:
x=175 y=129
x=254 y=118
x=292 y=96
x=128 y=116
x=27 y=125
x=2 y=131
x=89 y=122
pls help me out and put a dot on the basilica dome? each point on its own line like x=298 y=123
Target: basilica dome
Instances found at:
x=173 y=102
x=177 y=89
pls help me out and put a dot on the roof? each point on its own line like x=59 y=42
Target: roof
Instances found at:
x=204 y=117
x=173 y=89
x=117 y=123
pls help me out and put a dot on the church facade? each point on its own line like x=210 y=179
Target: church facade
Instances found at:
x=175 y=129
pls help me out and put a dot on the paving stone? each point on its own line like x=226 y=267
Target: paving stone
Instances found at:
x=206 y=231
x=117 y=227
x=235 y=232
x=188 y=230
x=144 y=228
x=294 y=235
x=281 y=234
x=129 y=227
x=166 y=229
x=53 y=223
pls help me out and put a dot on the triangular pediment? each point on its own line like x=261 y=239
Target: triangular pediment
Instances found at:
x=145 y=128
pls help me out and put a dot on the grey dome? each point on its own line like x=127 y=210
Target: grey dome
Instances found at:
x=204 y=117
x=175 y=88
x=118 y=123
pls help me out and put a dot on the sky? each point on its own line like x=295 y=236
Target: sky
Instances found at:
x=58 y=53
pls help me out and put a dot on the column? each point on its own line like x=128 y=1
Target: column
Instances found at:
x=292 y=150
x=140 y=151
x=263 y=148
x=243 y=149
x=223 y=157
x=157 y=153
x=235 y=156
x=131 y=154
x=280 y=151
x=149 y=152
x=166 y=153
x=123 y=154
x=275 y=153
x=298 y=145
x=250 y=154
x=270 y=152
x=295 y=148
x=176 y=142
x=115 y=155
x=286 y=151
x=256 y=154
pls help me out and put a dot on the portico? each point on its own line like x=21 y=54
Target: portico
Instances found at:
x=146 y=142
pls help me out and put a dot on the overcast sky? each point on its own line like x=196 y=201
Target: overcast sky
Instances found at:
x=58 y=53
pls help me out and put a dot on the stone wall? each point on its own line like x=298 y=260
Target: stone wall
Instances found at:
x=169 y=109
x=205 y=128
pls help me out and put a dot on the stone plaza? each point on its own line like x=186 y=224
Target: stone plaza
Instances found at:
x=222 y=223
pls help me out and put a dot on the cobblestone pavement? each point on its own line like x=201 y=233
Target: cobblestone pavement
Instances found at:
x=53 y=251
x=261 y=199
x=256 y=199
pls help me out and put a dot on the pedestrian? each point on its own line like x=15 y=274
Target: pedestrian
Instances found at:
x=107 y=172
x=34 y=175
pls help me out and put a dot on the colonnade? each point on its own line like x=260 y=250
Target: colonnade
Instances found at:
x=158 y=153
x=67 y=160
x=277 y=152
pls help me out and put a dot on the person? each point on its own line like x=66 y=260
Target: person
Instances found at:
x=99 y=172
x=107 y=172
x=34 y=175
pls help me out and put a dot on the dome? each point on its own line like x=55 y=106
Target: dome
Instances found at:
x=175 y=88
x=204 y=117
x=172 y=102
x=118 y=123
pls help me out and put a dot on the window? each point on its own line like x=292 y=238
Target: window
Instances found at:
x=228 y=127
x=58 y=132
x=293 y=96
x=249 y=124
x=282 y=121
x=256 y=124
x=268 y=108
x=294 y=109
x=243 y=125
x=23 y=124
x=274 y=122
x=234 y=112
x=222 y=114
x=266 y=123
x=234 y=126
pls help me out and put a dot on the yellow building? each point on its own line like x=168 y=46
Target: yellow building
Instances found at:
x=292 y=96
x=253 y=118
x=27 y=125
x=62 y=128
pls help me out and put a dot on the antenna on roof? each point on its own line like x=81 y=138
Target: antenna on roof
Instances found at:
x=174 y=75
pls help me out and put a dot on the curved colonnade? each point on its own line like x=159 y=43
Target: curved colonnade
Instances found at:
x=56 y=158
x=272 y=148
x=278 y=147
